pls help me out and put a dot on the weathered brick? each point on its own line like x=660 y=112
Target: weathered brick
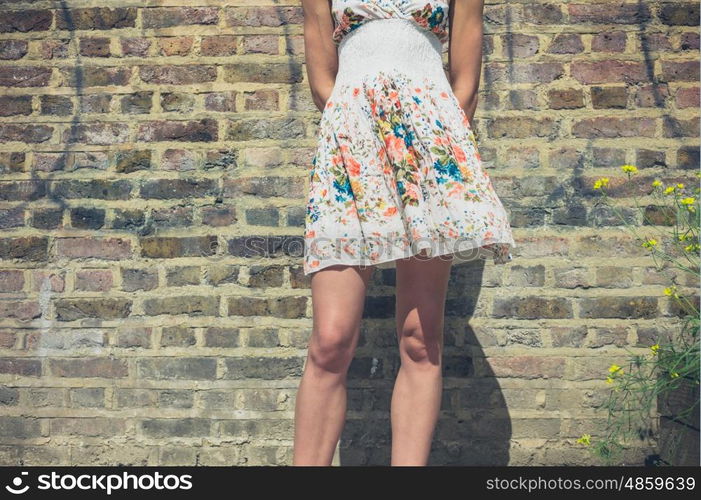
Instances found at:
x=502 y=74
x=270 y=73
x=25 y=21
x=135 y=46
x=610 y=71
x=178 y=75
x=95 y=47
x=203 y=130
x=652 y=96
x=96 y=248
x=26 y=367
x=180 y=101
x=674 y=71
x=98 y=18
x=262 y=100
x=172 y=247
x=167 y=17
x=20 y=427
x=100 y=134
x=619 y=307
x=261 y=44
x=680 y=14
x=526 y=367
x=25 y=133
x=688 y=157
x=15 y=105
x=97 y=76
x=566 y=98
x=253 y=129
x=190 y=305
x=592 y=128
x=221 y=101
x=255 y=16
x=105 y=308
x=517 y=45
x=267 y=368
x=609 y=97
x=178 y=336
x=520 y=127
x=132 y=161
x=134 y=337
x=183 y=276
x=30 y=248
x=609 y=13
x=673 y=127
x=566 y=43
x=282 y=307
x=177 y=368
x=687 y=98
x=178 y=188
x=88 y=367
x=533 y=307
x=609 y=41
x=219 y=45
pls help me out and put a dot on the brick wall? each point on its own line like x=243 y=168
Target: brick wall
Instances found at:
x=142 y=145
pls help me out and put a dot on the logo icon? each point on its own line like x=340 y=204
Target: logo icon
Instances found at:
x=17 y=482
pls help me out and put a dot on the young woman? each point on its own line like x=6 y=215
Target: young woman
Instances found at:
x=396 y=181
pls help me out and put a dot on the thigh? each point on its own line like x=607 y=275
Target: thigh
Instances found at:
x=338 y=297
x=422 y=284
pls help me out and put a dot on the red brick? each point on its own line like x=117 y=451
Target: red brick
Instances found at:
x=687 y=98
x=98 y=248
x=25 y=76
x=608 y=127
x=610 y=71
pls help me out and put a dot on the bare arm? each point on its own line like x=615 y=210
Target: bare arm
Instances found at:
x=321 y=56
x=465 y=51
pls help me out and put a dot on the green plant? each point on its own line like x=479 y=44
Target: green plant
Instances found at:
x=670 y=233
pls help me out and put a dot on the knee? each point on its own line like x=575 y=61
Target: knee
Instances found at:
x=421 y=346
x=331 y=349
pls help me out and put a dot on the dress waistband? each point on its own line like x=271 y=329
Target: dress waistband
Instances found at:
x=390 y=45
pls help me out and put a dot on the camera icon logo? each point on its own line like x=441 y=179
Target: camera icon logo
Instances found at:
x=17 y=483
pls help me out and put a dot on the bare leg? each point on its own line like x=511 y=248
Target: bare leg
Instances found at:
x=338 y=296
x=421 y=289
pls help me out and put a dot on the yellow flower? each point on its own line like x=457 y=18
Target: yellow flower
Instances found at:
x=655 y=348
x=671 y=291
x=669 y=190
x=680 y=186
x=629 y=168
x=585 y=439
x=656 y=183
x=614 y=368
x=601 y=182
x=688 y=201
x=609 y=380
x=650 y=243
x=694 y=247
x=674 y=375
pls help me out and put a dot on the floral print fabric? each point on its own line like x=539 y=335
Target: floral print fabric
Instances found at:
x=397 y=168
x=350 y=14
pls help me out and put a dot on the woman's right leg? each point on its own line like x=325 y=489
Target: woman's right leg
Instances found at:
x=338 y=296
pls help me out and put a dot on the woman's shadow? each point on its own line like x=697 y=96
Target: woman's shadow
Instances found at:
x=474 y=426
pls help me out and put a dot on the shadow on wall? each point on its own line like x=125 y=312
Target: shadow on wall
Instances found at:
x=474 y=426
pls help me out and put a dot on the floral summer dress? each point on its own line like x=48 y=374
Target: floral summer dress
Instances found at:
x=396 y=168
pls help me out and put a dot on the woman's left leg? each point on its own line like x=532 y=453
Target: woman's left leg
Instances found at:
x=422 y=284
